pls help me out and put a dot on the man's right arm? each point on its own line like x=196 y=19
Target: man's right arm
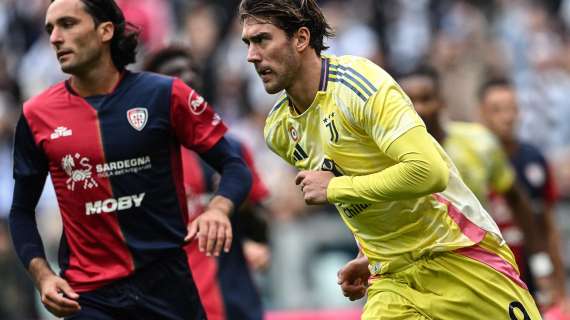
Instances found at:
x=30 y=172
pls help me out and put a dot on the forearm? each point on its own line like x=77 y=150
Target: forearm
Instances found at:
x=39 y=270
x=236 y=180
x=419 y=171
x=25 y=235
x=524 y=217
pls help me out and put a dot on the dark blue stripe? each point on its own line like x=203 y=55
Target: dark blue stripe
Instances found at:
x=350 y=87
x=279 y=104
x=358 y=74
x=346 y=75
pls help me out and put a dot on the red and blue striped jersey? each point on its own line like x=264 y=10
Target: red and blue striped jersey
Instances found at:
x=116 y=166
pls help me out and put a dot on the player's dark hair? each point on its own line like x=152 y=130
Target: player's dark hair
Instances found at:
x=156 y=59
x=289 y=16
x=423 y=71
x=493 y=83
x=126 y=36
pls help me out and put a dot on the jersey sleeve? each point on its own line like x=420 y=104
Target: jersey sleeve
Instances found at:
x=195 y=124
x=387 y=115
x=29 y=159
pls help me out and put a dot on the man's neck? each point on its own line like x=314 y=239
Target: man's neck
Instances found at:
x=306 y=84
x=97 y=81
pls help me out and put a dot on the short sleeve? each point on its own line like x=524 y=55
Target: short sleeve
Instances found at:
x=195 y=124
x=29 y=159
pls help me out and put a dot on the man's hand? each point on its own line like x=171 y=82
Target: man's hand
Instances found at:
x=213 y=227
x=56 y=294
x=314 y=185
x=257 y=255
x=353 y=278
x=58 y=297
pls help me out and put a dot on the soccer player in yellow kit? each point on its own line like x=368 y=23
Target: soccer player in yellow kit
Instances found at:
x=433 y=251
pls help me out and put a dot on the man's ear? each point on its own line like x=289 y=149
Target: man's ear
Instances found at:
x=303 y=36
x=106 y=31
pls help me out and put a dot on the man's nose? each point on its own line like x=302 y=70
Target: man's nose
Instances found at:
x=55 y=37
x=253 y=54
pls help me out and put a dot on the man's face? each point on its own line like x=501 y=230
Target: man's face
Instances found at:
x=73 y=36
x=421 y=90
x=499 y=111
x=272 y=54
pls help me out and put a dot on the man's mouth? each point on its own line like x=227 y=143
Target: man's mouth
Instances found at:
x=62 y=53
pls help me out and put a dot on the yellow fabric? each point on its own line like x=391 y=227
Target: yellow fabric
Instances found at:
x=429 y=289
x=354 y=127
x=419 y=170
x=481 y=162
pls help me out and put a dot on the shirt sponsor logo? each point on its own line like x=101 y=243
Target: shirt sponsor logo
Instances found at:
x=114 y=204
x=196 y=103
x=216 y=119
x=137 y=118
x=60 y=132
x=120 y=167
x=78 y=169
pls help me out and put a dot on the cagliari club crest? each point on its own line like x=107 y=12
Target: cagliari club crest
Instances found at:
x=137 y=117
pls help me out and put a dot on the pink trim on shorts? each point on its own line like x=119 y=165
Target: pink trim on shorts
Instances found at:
x=468 y=228
x=494 y=261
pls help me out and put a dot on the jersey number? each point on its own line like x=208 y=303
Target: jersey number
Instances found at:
x=517 y=305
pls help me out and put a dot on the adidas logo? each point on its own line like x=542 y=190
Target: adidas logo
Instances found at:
x=60 y=132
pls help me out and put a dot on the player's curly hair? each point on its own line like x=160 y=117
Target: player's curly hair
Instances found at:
x=290 y=15
x=126 y=37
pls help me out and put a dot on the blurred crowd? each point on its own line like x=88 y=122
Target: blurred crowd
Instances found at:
x=466 y=41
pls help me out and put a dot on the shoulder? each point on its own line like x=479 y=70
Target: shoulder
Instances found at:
x=359 y=74
x=475 y=135
x=45 y=98
x=274 y=130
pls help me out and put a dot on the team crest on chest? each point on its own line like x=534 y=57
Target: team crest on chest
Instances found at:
x=294 y=134
x=137 y=118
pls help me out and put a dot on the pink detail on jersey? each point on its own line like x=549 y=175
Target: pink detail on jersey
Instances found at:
x=494 y=261
x=468 y=228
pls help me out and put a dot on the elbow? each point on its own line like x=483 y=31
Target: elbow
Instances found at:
x=440 y=176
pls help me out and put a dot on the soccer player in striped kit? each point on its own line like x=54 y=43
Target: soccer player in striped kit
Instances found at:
x=110 y=140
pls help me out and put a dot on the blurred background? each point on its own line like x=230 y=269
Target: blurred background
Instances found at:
x=466 y=41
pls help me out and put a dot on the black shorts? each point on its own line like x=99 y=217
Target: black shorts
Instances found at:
x=162 y=290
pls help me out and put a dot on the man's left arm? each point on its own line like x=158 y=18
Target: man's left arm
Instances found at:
x=419 y=170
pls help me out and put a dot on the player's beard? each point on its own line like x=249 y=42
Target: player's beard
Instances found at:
x=283 y=78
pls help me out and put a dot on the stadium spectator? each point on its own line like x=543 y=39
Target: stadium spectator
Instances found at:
x=110 y=140
x=359 y=144
x=499 y=113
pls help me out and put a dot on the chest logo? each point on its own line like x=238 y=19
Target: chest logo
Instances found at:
x=78 y=169
x=137 y=118
x=294 y=134
x=333 y=132
x=60 y=132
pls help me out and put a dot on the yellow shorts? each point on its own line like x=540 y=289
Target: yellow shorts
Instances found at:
x=475 y=283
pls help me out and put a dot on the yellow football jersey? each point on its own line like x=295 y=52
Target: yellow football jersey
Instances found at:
x=483 y=165
x=356 y=115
